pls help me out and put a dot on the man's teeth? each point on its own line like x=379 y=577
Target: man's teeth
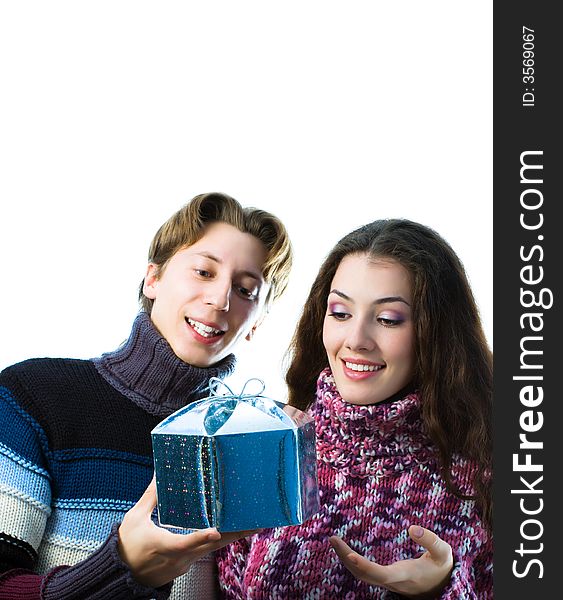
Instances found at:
x=204 y=330
x=357 y=367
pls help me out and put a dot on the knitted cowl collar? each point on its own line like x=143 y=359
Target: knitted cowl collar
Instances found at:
x=146 y=370
x=368 y=441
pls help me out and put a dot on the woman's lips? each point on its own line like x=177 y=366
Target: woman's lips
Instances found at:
x=361 y=369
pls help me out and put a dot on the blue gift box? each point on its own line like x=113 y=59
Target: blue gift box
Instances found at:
x=235 y=462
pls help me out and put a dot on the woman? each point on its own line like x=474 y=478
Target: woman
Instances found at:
x=390 y=357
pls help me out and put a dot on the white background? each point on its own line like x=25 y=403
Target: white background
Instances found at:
x=329 y=114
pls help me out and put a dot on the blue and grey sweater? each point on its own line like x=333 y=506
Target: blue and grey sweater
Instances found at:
x=75 y=455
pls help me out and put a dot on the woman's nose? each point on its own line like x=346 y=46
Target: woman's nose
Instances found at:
x=360 y=338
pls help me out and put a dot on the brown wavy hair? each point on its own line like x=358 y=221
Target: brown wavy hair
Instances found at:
x=186 y=226
x=453 y=362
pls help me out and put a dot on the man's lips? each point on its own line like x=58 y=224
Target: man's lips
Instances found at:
x=207 y=331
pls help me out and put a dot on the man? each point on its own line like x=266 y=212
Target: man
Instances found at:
x=75 y=449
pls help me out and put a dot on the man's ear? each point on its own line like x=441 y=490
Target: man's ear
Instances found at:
x=250 y=334
x=263 y=313
x=151 y=281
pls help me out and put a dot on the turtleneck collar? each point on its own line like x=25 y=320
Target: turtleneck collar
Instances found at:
x=374 y=440
x=146 y=370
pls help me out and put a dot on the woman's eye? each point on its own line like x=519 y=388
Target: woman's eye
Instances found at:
x=339 y=316
x=386 y=322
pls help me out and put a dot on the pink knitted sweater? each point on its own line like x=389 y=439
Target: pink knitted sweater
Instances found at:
x=378 y=474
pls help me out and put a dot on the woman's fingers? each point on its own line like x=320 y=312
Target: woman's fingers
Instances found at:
x=358 y=565
x=426 y=574
x=439 y=550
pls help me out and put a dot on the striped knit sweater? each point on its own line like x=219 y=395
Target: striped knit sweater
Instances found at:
x=378 y=474
x=75 y=455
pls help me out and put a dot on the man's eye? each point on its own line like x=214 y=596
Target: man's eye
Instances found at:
x=203 y=273
x=246 y=293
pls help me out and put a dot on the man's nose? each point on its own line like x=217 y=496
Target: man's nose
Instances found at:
x=218 y=295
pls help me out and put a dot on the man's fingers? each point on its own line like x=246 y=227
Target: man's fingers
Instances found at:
x=207 y=540
x=233 y=536
x=437 y=548
x=147 y=501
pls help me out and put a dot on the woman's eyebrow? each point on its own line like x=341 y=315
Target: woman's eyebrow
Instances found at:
x=341 y=294
x=385 y=300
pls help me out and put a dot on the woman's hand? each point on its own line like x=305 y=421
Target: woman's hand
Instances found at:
x=422 y=577
x=156 y=556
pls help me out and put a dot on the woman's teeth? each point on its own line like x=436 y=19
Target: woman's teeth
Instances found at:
x=204 y=330
x=357 y=367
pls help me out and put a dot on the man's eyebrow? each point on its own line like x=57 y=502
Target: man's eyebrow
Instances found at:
x=384 y=300
x=219 y=261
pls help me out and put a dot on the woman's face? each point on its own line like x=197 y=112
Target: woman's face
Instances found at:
x=209 y=295
x=368 y=330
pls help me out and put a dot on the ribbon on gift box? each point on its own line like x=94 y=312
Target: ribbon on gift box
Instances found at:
x=218 y=414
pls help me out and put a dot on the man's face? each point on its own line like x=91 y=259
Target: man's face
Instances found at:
x=209 y=295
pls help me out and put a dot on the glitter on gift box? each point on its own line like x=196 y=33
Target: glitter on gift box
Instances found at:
x=235 y=462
